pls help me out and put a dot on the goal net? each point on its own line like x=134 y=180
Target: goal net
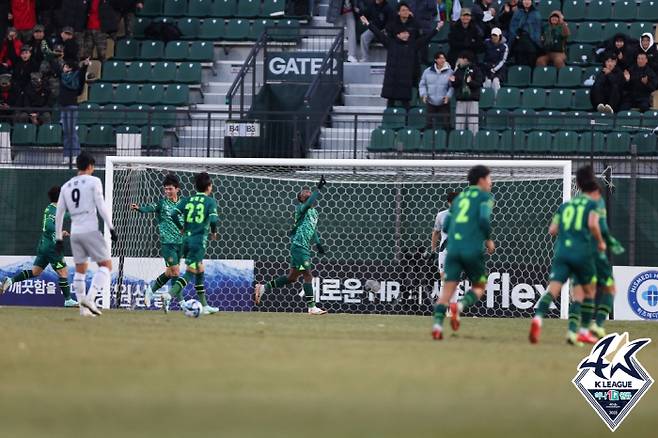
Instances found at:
x=375 y=221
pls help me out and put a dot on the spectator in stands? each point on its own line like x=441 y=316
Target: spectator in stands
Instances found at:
x=424 y=12
x=6 y=97
x=127 y=10
x=648 y=47
x=484 y=16
x=51 y=69
x=11 y=43
x=24 y=15
x=401 y=61
x=66 y=40
x=341 y=13
x=505 y=16
x=622 y=46
x=378 y=12
x=22 y=67
x=525 y=33
x=102 y=22
x=494 y=66
x=467 y=82
x=46 y=15
x=554 y=41
x=435 y=91
x=464 y=36
x=5 y=10
x=73 y=14
x=35 y=100
x=72 y=81
x=404 y=22
x=605 y=94
x=37 y=43
x=640 y=81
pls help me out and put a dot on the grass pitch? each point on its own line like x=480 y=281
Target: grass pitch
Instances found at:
x=144 y=374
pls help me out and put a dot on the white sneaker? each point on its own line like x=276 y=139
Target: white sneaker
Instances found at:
x=166 y=301
x=6 y=285
x=90 y=305
x=608 y=109
x=209 y=310
x=352 y=59
x=148 y=295
x=86 y=312
x=258 y=292
x=315 y=310
x=600 y=108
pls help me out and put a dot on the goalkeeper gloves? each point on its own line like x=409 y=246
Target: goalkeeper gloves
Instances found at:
x=321 y=183
x=320 y=249
x=59 y=247
x=113 y=235
x=616 y=248
x=430 y=255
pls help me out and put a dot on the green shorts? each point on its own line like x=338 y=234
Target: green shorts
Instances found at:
x=580 y=268
x=194 y=252
x=48 y=256
x=603 y=270
x=171 y=253
x=300 y=258
x=470 y=262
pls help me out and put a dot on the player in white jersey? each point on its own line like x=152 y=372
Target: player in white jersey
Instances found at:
x=440 y=237
x=82 y=197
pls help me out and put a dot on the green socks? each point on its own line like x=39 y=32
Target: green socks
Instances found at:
x=586 y=312
x=604 y=307
x=63 y=284
x=278 y=282
x=159 y=282
x=179 y=284
x=574 y=316
x=544 y=305
x=308 y=294
x=23 y=275
x=469 y=299
x=200 y=288
x=439 y=314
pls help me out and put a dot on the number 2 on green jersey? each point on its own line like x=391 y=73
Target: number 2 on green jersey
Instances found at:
x=463 y=206
x=191 y=217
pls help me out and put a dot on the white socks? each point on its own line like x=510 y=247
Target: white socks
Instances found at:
x=79 y=286
x=99 y=282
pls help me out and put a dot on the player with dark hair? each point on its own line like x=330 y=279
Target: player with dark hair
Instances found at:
x=46 y=254
x=196 y=215
x=171 y=239
x=469 y=230
x=302 y=236
x=576 y=224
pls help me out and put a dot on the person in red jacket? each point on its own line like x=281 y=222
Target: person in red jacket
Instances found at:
x=24 y=13
x=10 y=43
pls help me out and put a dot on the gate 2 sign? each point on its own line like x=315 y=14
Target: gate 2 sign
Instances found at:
x=296 y=66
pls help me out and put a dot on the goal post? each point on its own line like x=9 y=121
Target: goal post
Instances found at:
x=375 y=220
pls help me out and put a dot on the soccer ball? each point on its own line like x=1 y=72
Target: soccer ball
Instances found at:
x=372 y=286
x=193 y=309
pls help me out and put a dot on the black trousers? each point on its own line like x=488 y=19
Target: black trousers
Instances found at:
x=438 y=116
x=606 y=95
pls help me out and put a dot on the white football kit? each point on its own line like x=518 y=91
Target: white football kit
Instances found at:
x=438 y=226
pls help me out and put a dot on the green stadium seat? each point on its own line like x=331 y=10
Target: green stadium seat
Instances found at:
x=647 y=10
x=152 y=50
x=164 y=115
x=508 y=98
x=544 y=77
x=589 y=32
x=286 y=30
x=559 y=99
x=577 y=121
x=646 y=143
x=138 y=72
x=487 y=141
x=612 y=28
x=382 y=140
x=524 y=119
x=649 y=119
x=432 y=48
x=629 y=121
x=224 y=8
x=177 y=51
x=212 y=29
x=113 y=71
x=126 y=129
x=189 y=28
x=202 y=51
x=49 y=135
x=565 y=143
x=460 y=141
x=152 y=8
x=442 y=35
x=487 y=98
x=127 y=49
x=200 y=8
x=24 y=134
x=603 y=122
x=394 y=118
x=591 y=71
x=512 y=141
x=126 y=94
x=140 y=26
x=434 y=141
x=178 y=95
x=82 y=131
x=409 y=139
x=273 y=8
x=569 y=77
x=100 y=93
x=550 y=120
x=581 y=54
x=174 y=8
x=5 y=127
x=638 y=28
x=518 y=76
x=599 y=10
x=573 y=10
x=189 y=73
x=581 y=100
x=151 y=94
x=87 y=113
x=545 y=7
x=618 y=143
x=534 y=98
x=138 y=114
x=539 y=142
x=112 y=114
x=248 y=8
x=585 y=144
x=258 y=27
x=100 y=136
x=497 y=119
x=416 y=118
x=237 y=30
x=152 y=137
x=163 y=72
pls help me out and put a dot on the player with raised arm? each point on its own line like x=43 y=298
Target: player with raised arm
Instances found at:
x=196 y=215
x=82 y=197
x=575 y=224
x=302 y=236
x=46 y=254
x=171 y=239
x=440 y=237
x=469 y=231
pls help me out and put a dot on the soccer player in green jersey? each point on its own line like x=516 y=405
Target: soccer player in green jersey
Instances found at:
x=303 y=235
x=46 y=254
x=196 y=215
x=171 y=239
x=469 y=231
x=575 y=224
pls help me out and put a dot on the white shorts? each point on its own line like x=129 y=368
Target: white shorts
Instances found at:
x=87 y=246
x=442 y=261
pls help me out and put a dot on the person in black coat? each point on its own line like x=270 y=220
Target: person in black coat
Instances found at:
x=35 y=99
x=467 y=81
x=46 y=10
x=605 y=94
x=620 y=45
x=127 y=10
x=378 y=12
x=67 y=40
x=401 y=62
x=23 y=66
x=464 y=36
x=5 y=9
x=640 y=81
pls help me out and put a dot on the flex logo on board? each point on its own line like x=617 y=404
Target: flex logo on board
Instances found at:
x=611 y=378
